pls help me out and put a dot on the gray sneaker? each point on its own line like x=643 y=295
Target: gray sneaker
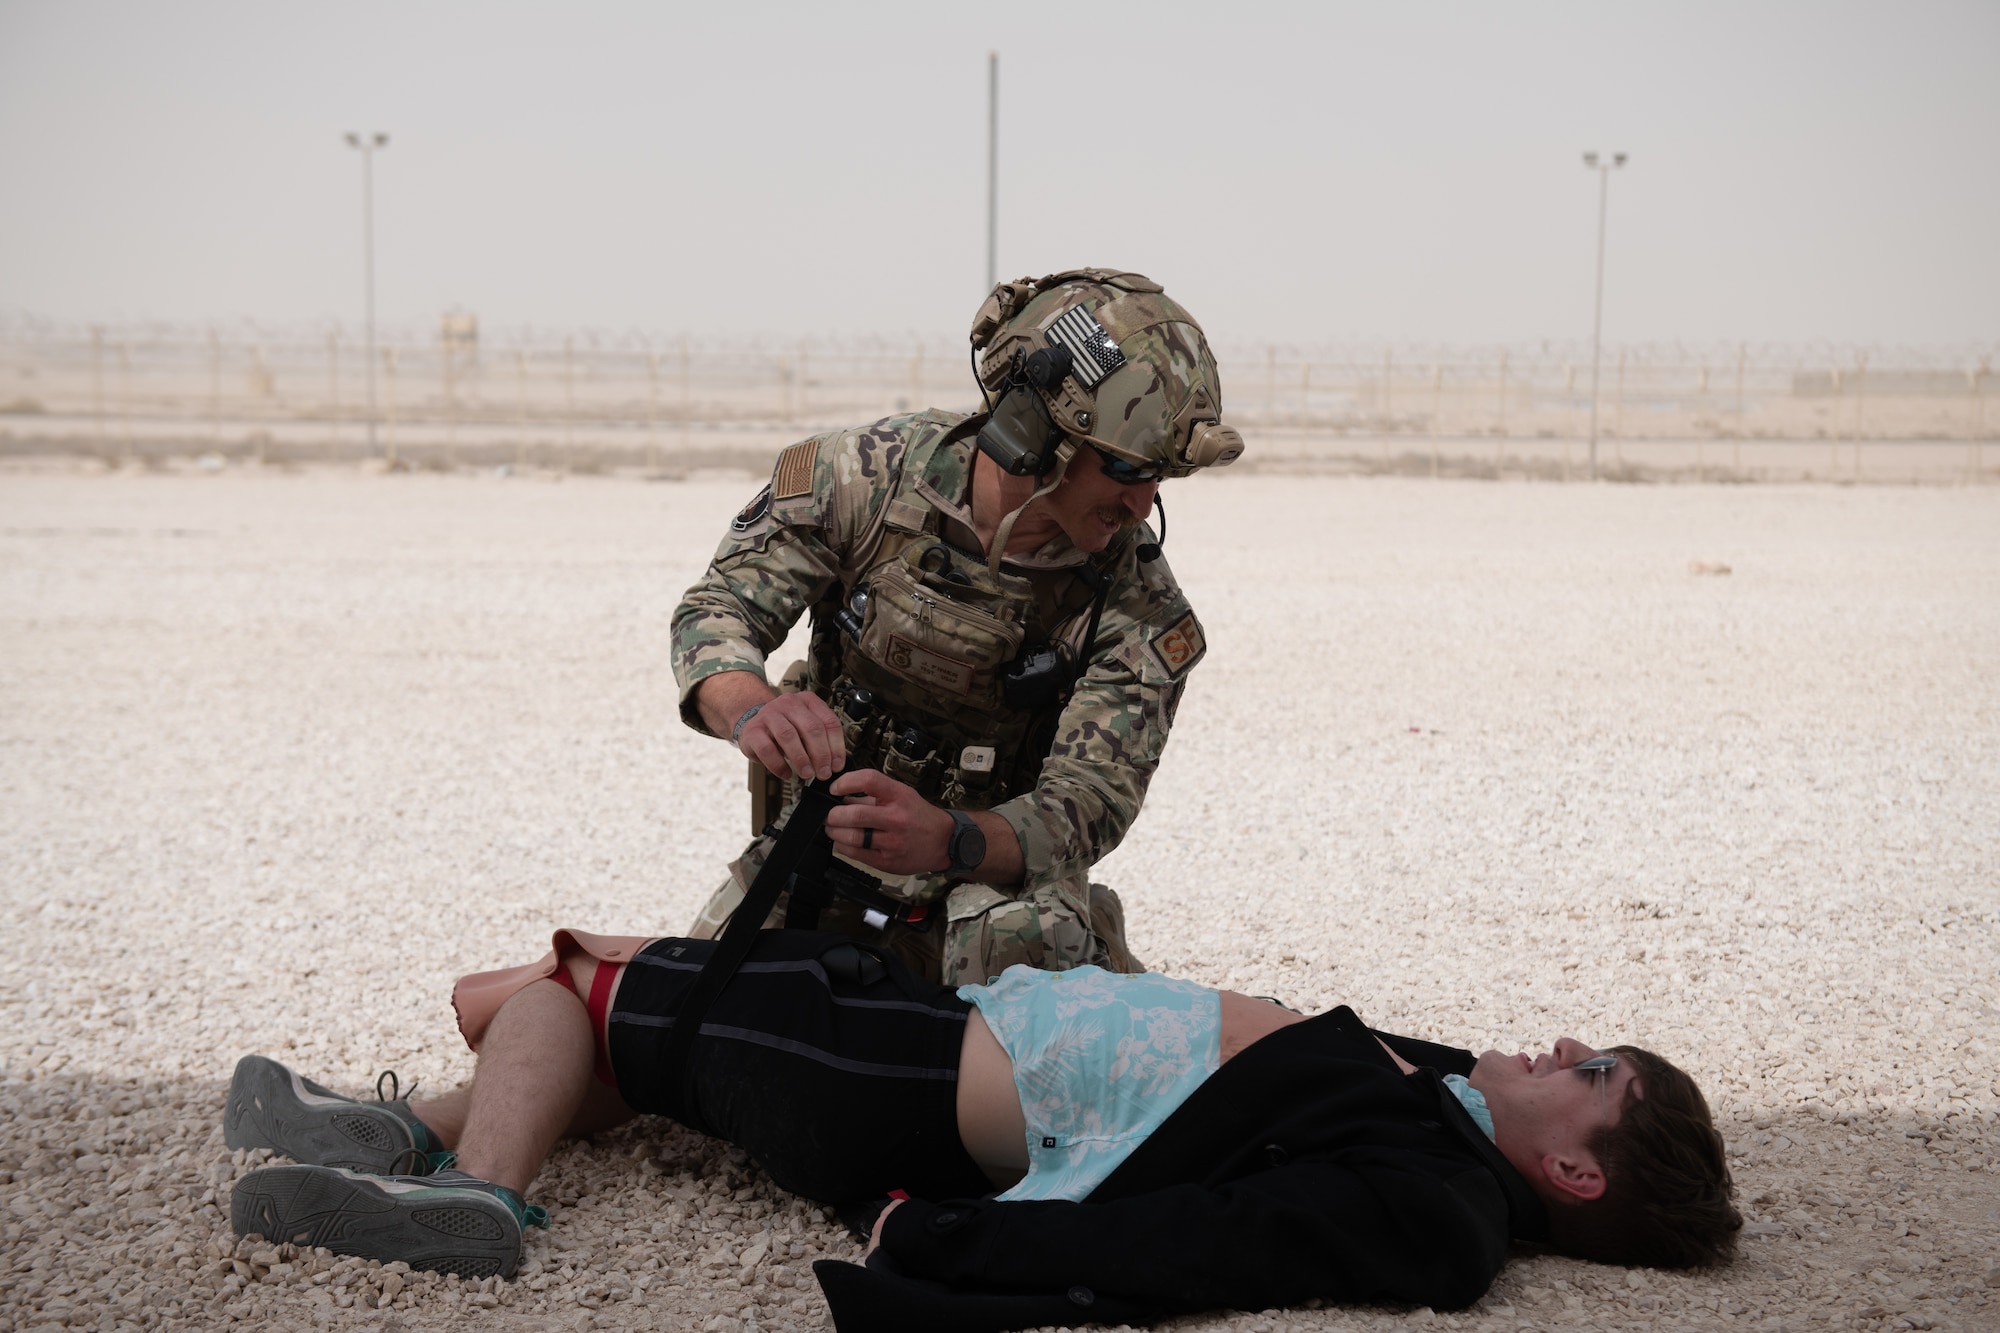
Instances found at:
x=270 y=1106
x=448 y=1221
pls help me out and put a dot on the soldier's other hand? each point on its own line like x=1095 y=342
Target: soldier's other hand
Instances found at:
x=884 y=824
x=795 y=735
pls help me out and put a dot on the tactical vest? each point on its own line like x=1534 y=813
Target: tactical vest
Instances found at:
x=944 y=675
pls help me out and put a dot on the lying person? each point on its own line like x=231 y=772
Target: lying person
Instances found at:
x=1158 y=1147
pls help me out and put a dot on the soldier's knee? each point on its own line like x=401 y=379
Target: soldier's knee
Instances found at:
x=988 y=932
x=715 y=915
x=1107 y=922
x=981 y=925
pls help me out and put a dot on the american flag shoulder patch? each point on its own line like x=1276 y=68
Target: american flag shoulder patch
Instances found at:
x=1092 y=353
x=794 y=476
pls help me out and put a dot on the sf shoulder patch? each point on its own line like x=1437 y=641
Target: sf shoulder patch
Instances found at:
x=747 y=516
x=794 y=476
x=1179 y=646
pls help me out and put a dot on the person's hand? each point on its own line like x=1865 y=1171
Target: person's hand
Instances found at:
x=875 y=1236
x=795 y=734
x=884 y=824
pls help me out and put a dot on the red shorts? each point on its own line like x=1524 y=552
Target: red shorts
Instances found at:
x=478 y=997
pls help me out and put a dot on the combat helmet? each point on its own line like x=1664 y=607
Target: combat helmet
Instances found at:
x=1099 y=357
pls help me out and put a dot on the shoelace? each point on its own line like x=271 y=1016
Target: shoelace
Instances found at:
x=396 y=1093
x=420 y=1163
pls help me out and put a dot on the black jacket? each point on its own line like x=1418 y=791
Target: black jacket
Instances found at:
x=1309 y=1165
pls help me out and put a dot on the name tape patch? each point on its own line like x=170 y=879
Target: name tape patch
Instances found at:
x=921 y=664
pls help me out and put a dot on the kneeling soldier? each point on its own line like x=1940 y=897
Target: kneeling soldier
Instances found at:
x=998 y=646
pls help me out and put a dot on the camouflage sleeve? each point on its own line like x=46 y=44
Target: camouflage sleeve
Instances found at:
x=781 y=553
x=1110 y=737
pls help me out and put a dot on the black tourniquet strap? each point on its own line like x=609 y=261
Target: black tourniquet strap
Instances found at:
x=800 y=854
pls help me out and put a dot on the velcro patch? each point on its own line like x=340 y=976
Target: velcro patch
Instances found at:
x=1180 y=646
x=759 y=506
x=935 y=669
x=1092 y=353
x=906 y=515
x=794 y=476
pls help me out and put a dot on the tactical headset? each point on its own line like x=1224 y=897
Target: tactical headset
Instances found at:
x=1019 y=433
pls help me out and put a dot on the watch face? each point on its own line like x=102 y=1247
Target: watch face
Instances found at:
x=968 y=847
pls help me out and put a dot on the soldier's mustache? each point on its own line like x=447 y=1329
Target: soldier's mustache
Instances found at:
x=1119 y=515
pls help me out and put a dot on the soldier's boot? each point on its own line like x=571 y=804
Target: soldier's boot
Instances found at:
x=1107 y=921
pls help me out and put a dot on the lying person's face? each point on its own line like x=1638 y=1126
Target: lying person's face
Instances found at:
x=1545 y=1111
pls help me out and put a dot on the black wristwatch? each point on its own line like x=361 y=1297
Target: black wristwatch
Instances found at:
x=967 y=847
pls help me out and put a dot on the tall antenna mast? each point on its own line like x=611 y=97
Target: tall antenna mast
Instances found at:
x=1603 y=168
x=369 y=145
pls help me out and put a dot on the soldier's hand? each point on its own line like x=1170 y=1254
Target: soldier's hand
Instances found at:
x=884 y=824
x=795 y=734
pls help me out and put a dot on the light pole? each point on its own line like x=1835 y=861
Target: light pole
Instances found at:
x=1603 y=170
x=992 y=168
x=368 y=144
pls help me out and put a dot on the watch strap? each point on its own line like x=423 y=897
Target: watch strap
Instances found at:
x=961 y=824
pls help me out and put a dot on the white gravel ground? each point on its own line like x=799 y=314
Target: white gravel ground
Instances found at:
x=285 y=753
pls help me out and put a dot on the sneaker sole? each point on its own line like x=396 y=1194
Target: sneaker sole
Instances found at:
x=270 y=1107
x=473 y=1235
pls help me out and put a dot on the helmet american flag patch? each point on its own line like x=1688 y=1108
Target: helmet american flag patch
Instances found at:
x=1093 y=354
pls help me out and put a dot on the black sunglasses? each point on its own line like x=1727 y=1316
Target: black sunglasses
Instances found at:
x=1128 y=474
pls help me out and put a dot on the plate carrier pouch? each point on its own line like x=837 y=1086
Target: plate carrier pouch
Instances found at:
x=921 y=691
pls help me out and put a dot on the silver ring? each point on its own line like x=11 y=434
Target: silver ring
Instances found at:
x=867 y=839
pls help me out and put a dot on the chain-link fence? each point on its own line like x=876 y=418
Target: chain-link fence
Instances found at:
x=590 y=399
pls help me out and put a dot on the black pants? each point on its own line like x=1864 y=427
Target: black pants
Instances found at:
x=828 y=1061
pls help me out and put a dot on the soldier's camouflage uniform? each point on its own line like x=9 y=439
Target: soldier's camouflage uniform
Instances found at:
x=857 y=506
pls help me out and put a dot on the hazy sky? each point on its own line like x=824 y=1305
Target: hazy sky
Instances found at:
x=1292 y=172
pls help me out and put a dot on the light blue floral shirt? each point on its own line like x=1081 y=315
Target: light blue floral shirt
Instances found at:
x=1473 y=1100
x=1147 y=1041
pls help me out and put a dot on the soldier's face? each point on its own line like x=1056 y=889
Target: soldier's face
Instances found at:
x=1091 y=508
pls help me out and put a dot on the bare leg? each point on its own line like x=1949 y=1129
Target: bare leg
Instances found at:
x=445 y=1116
x=533 y=1084
x=600 y=1109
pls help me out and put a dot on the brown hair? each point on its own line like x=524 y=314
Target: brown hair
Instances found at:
x=1667 y=1198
